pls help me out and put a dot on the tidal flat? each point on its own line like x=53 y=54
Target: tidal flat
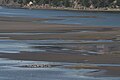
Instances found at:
x=84 y=52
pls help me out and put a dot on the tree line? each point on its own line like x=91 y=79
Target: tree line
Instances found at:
x=71 y=3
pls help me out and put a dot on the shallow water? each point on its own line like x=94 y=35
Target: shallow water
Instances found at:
x=8 y=69
x=69 y=46
x=82 y=18
x=10 y=72
x=16 y=46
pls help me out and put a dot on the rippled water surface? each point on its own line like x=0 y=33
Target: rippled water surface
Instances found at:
x=68 y=17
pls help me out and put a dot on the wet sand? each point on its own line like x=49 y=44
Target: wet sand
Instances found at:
x=63 y=57
x=70 y=32
x=59 y=32
x=111 y=71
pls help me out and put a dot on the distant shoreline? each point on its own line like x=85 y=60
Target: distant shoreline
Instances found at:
x=86 y=10
x=65 y=9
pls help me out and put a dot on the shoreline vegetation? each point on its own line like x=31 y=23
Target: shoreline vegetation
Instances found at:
x=75 y=5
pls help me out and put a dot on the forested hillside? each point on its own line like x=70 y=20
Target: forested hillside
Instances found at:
x=75 y=4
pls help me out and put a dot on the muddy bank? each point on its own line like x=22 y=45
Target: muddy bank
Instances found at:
x=42 y=56
x=56 y=31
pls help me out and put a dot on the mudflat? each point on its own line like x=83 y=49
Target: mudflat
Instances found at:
x=112 y=71
x=65 y=57
x=60 y=32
